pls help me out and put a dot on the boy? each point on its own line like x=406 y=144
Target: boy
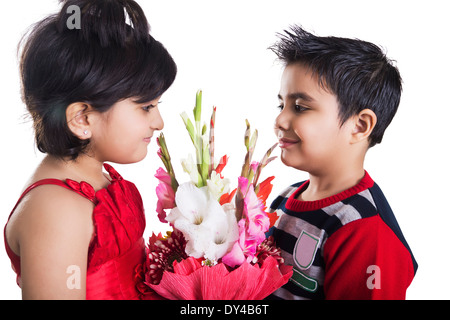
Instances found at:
x=337 y=97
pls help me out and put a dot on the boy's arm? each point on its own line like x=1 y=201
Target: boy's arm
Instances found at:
x=365 y=260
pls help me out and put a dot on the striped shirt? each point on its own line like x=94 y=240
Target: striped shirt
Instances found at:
x=348 y=246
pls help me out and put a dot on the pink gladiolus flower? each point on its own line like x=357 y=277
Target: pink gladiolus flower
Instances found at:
x=254 y=165
x=166 y=200
x=252 y=227
x=235 y=257
x=163 y=176
x=257 y=220
x=165 y=194
x=243 y=184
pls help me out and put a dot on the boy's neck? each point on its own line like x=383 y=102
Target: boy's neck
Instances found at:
x=328 y=184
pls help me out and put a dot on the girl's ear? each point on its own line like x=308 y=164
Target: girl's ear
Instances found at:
x=364 y=122
x=77 y=115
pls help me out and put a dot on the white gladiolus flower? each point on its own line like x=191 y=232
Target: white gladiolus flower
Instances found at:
x=224 y=236
x=210 y=231
x=190 y=167
x=218 y=186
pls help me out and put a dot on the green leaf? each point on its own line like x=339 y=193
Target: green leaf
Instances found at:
x=198 y=106
x=189 y=127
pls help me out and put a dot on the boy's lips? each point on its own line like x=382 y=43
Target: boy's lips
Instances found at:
x=285 y=142
x=148 y=139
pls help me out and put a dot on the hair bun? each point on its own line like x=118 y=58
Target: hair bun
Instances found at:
x=109 y=20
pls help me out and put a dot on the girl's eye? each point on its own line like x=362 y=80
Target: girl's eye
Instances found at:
x=147 y=108
x=150 y=106
x=281 y=107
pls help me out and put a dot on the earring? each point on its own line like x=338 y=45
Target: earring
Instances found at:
x=85 y=132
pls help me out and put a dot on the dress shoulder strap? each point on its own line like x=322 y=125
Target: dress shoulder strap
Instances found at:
x=83 y=189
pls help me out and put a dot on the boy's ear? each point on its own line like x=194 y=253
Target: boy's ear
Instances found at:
x=364 y=122
x=77 y=115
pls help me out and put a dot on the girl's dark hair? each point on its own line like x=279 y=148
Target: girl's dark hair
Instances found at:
x=110 y=57
x=357 y=72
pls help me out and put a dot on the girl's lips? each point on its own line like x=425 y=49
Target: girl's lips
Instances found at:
x=148 y=139
x=285 y=143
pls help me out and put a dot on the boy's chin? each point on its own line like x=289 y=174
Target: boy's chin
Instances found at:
x=293 y=162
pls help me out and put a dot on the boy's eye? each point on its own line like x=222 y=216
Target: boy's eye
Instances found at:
x=299 y=108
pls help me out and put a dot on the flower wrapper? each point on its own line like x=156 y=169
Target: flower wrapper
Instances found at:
x=192 y=281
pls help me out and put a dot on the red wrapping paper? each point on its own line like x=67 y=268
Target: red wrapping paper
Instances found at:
x=192 y=281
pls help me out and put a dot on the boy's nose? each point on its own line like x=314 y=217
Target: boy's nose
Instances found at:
x=281 y=122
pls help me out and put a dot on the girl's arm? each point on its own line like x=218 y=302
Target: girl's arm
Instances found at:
x=54 y=234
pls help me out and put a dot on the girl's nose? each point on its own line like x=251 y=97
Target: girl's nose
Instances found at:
x=157 y=123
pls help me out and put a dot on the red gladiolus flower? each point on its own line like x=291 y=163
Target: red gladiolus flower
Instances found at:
x=265 y=188
x=227 y=197
x=222 y=163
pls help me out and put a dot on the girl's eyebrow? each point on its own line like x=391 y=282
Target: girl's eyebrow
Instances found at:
x=298 y=95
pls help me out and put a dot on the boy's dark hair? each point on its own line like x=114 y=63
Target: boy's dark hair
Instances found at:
x=357 y=72
x=111 y=57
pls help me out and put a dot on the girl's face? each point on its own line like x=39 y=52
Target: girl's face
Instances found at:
x=125 y=131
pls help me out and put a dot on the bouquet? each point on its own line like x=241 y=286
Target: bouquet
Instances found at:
x=218 y=248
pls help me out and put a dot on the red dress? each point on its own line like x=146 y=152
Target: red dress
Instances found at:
x=117 y=246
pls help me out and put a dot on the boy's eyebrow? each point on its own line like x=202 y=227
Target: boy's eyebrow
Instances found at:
x=298 y=95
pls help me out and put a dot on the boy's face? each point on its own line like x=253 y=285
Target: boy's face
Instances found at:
x=308 y=127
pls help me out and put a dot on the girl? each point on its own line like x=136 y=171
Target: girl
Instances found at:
x=92 y=91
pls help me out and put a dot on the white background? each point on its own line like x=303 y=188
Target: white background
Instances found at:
x=221 y=47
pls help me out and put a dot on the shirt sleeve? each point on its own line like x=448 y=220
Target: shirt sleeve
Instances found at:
x=364 y=259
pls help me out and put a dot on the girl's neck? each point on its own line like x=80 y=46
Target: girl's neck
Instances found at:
x=84 y=168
